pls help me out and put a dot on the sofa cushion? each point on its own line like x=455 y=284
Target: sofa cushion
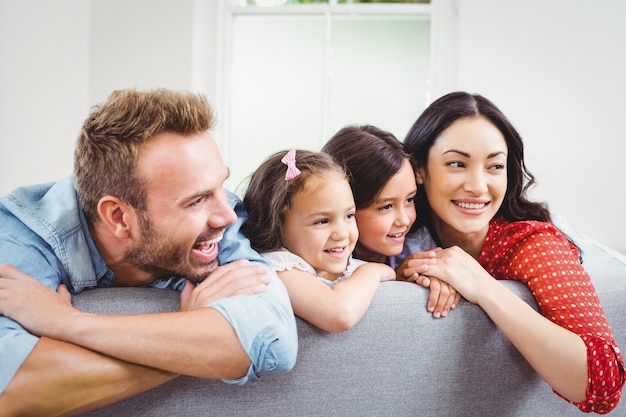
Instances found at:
x=397 y=361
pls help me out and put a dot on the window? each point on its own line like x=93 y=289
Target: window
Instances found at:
x=274 y=3
x=295 y=74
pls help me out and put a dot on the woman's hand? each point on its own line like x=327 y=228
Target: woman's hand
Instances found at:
x=412 y=268
x=457 y=268
x=443 y=297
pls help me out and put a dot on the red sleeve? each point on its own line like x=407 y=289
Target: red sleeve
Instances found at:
x=538 y=255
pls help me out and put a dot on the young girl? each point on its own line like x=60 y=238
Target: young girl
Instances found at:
x=472 y=179
x=301 y=219
x=383 y=182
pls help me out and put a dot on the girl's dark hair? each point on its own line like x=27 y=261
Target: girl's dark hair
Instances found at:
x=440 y=115
x=371 y=156
x=268 y=195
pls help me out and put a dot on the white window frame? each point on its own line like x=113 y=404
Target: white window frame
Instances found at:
x=220 y=16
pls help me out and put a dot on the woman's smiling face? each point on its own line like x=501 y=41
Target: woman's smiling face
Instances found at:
x=465 y=179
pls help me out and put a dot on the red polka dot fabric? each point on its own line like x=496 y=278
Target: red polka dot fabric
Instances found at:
x=540 y=256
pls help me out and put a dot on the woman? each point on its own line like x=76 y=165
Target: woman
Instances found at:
x=472 y=184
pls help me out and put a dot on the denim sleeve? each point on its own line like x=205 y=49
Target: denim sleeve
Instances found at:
x=15 y=342
x=264 y=322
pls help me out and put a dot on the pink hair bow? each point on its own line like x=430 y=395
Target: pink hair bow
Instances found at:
x=290 y=160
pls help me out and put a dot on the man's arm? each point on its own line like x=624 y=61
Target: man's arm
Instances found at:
x=59 y=379
x=199 y=342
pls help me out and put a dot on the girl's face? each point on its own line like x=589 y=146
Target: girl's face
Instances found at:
x=320 y=226
x=465 y=180
x=384 y=224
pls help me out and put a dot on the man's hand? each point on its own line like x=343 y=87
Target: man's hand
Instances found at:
x=236 y=278
x=36 y=307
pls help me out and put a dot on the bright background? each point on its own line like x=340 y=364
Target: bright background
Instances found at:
x=279 y=80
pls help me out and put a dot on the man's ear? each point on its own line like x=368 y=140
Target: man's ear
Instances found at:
x=117 y=216
x=420 y=175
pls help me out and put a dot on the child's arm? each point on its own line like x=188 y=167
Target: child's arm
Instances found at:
x=443 y=297
x=337 y=308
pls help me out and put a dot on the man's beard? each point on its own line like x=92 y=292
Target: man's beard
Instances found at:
x=162 y=258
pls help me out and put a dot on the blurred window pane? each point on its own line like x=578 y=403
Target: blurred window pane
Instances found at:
x=296 y=78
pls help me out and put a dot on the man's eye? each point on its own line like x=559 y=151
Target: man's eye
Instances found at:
x=321 y=221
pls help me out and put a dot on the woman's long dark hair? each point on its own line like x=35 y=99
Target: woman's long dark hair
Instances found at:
x=440 y=115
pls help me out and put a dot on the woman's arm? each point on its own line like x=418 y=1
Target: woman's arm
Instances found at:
x=337 y=308
x=558 y=355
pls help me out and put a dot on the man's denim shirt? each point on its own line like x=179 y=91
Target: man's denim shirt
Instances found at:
x=43 y=232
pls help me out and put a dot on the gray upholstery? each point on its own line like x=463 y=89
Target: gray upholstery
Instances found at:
x=398 y=361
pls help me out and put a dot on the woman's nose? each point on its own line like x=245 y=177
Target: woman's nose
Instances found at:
x=475 y=182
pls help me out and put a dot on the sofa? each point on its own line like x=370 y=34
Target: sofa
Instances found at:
x=397 y=361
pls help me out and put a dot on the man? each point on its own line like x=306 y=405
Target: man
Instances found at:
x=145 y=207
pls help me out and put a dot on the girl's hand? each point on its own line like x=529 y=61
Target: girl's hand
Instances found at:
x=413 y=267
x=443 y=298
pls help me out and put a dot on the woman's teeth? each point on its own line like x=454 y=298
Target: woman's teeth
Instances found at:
x=470 y=205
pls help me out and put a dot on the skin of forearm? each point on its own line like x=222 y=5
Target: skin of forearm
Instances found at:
x=61 y=379
x=354 y=297
x=348 y=301
x=199 y=342
x=339 y=308
x=558 y=355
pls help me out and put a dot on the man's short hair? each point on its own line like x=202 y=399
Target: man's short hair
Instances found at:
x=106 y=153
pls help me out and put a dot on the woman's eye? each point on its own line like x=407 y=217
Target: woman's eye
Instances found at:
x=321 y=221
x=385 y=207
x=456 y=164
x=497 y=167
x=410 y=200
x=350 y=216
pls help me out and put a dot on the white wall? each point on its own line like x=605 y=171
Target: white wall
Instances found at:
x=60 y=57
x=44 y=50
x=555 y=67
x=140 y=44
